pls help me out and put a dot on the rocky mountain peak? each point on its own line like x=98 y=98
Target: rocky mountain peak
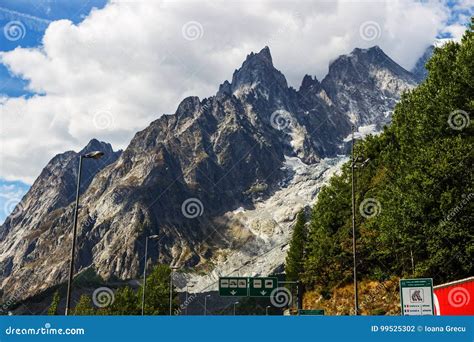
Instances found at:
x=96 y=145
x=365 y=83
x=256 y=73
x=419 y=70
x=309 y=83
x=264 y=56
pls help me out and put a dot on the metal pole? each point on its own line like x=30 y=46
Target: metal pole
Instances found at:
x=186 y=301
x=234 y=308
x=171 y=292
x=266 y=311
x=356 y=295
x=73 y=247
x=205 y=306
x=144 y=276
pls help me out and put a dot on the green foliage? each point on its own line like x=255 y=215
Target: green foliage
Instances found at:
x=84 y=306
x=294 y=258
x=420 y=176
x=53 y=309
x=126 y=302
x=158 y=291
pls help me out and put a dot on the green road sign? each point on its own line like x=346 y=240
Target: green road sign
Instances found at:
x=262 y=287
x=311 y=312
x=416 y=296
x=233 y=287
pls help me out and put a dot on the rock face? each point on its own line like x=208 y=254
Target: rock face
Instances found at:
x=220 y=181
x=419 y=71
x=365 y=85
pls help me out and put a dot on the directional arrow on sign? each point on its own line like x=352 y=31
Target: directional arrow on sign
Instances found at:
x=263 y=292
x=233 y=292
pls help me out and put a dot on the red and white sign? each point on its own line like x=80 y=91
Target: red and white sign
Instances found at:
x=455 y=298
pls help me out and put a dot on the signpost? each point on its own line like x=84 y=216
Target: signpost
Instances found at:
x=311 y=312
x=416 y=297
x=233 y=287
x=262 y=287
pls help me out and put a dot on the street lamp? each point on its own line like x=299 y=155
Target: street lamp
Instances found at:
x=174 y=268
x=205 y=304
x=144 y=270
x=234 y=306
x=91 y=155
x=266 y=310
x=354 y=160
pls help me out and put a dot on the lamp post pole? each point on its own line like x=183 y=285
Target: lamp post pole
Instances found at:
x=144 y=270
x=144 y=276
x=91 y=155
x=354 y=251
x=234 y=306
x=205 y=304
x=171 y=288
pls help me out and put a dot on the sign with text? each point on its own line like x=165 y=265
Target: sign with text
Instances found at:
x=416 y=296
x=233 y=287
x=262 y=287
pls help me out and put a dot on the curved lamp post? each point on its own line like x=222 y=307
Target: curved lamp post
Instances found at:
x=354 y=160
x=91 y=155
x=144 y=270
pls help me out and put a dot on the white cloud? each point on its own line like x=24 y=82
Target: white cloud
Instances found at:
x=134 y=61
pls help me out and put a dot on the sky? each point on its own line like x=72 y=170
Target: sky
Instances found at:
x=73 y=70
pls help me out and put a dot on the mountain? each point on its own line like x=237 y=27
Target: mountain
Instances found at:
x=30 y=223
x=419 y=71
x=220 y=181
x=365 y=85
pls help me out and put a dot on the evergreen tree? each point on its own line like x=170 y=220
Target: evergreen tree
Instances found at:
x=420 y=181
x=295 y=256
x=84 y=306
x=53 y=309
x=126 y=302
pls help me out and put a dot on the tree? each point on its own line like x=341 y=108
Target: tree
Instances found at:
x=126 y=302
x=158 y=291
x=295 y=256
x=420 y=180
x=84 y=306
x=53 y=309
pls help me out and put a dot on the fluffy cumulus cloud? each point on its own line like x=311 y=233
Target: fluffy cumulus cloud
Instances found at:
x=132 y=61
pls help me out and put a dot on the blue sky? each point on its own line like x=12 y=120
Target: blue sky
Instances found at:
x=11 y=192
x=42 y=12
x=122 y=66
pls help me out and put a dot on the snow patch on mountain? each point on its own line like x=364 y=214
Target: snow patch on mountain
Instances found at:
x=270 y=223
